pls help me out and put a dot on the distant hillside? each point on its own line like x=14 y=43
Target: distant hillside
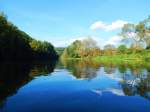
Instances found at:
x=60 y=50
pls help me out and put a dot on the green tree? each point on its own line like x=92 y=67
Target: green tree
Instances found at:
x=80 y=49
x=17 y=45
x=122 y=49
x=129 y=34
x=137 y=34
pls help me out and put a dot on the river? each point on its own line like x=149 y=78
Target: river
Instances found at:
x=74 y=86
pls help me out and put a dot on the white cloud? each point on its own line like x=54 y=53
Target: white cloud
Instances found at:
x=98 y=25
x=115 y=91
x=115 y=40
x=116 y=25
x=108 y=27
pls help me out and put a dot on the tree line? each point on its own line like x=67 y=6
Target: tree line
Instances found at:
x=135 y=38
x=17 y=45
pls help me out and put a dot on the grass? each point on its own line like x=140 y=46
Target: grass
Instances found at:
x=142 y=57
x=124 y=58
x=134 y=57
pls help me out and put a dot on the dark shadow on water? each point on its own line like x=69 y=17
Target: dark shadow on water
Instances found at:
x=14 y=75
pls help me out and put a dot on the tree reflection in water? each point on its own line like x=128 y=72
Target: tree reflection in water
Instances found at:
x=135 y=78
x=15 y=75
x=85 y=69
x=136 y=82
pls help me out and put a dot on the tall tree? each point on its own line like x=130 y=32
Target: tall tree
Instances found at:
x=137 y=33
x=79 y=49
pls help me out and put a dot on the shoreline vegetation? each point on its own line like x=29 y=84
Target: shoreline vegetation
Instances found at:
x=142 y=57
x=134 y=48
x=139 y=56
x=16 y=45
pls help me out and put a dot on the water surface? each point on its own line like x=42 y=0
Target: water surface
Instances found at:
x=74 y=86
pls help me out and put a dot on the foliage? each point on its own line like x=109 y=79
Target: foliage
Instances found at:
x=137 y=34
x=122 y=49
x=42 y=50
x=109 y=49
x=81 y=49
x=17 y=45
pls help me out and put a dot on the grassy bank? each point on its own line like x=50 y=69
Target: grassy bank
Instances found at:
x=131 y=58
x=144 y=56
x=118 y=58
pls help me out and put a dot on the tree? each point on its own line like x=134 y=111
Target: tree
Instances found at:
x=42 y=50
x=137 y=34
x=122 y=49
x=88 y=47
x=17 y=45
x=109 y=49
x=147 y=32
x=13 y=42
x=80 y=49
x=129 y=34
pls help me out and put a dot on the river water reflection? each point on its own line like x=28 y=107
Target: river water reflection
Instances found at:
x=75 y=86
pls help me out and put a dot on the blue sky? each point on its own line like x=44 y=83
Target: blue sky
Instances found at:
x=62 y=21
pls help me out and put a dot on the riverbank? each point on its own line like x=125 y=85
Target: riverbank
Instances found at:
x=138 y=57
x=119 y=58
